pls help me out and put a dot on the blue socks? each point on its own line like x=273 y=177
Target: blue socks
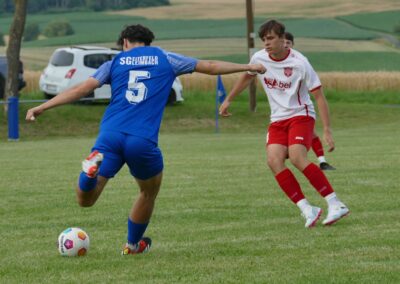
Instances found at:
x=86 y=183
x=135 y=231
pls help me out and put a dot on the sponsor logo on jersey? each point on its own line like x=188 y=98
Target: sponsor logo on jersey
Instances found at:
x=299 y=138
x=275 y=84
x=288 y=71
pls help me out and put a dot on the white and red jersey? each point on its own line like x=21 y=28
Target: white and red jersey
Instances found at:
x=287 y=83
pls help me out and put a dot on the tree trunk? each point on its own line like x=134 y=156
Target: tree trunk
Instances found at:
x=13 y=49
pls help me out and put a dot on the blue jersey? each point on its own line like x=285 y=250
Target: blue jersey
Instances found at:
x=141 y=80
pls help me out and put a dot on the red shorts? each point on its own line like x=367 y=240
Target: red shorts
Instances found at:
x=295 y=130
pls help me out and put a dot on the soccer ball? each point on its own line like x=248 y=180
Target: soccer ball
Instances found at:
x=73 y=242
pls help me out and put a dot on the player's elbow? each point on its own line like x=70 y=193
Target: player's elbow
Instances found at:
x=213 y=68
x=207 y=67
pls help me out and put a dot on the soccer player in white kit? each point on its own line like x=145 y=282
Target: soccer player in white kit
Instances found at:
x=287 y=82
x=316 y=144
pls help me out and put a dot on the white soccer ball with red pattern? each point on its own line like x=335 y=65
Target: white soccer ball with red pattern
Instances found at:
x=73 y=242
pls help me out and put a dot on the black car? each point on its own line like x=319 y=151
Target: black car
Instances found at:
x=3 y=75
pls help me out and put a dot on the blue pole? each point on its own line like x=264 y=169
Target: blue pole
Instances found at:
x=216 y=110
x=13 y=133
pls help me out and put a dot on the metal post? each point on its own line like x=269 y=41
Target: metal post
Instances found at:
x=13 y=133
x=250 y=44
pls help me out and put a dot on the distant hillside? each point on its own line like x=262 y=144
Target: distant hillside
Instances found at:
x=101 y=27
x=228 y=9
x=41 y=6
x=386 y=21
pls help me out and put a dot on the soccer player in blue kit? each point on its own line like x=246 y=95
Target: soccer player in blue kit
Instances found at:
x=141 y=78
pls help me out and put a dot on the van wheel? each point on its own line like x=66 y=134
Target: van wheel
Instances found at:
x=87 y=100
x=172 y=98
x=2 y=86
x=48 y=96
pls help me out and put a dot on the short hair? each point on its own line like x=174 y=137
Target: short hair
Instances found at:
x=269 y=26
x=136 y=33
x=289 y=36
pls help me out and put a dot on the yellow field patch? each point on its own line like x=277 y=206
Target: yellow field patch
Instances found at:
x=341 y=81
x=349 y=81
x=226 y=9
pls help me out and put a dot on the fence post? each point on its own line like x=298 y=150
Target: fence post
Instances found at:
x=13 y=133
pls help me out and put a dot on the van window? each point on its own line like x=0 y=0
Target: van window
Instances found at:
x=62 y=58
x=95 y=60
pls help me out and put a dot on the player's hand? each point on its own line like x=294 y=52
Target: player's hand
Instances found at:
x=259 y=68
x=32 y=113
x=329 y=139
x=223 y=109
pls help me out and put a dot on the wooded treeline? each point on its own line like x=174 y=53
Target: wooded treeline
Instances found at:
x=40 y=6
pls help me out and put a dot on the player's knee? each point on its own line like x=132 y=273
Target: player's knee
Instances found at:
x=297 y=161
x=149 y=195
x=274 y=163
x=294 y=160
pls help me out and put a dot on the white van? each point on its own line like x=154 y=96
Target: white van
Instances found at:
x=71 y=65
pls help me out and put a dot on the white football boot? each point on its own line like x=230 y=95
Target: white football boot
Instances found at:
x=311 y=214
x=335 y=213
x=92 y=164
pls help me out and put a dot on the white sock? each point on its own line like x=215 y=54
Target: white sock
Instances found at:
x=321 y=159
x=303 y=204
x=332 y=199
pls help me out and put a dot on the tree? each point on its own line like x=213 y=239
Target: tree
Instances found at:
x=31 y=32
x=1 y=39
x=396 y=28
x=58 y=28
x=14 y=48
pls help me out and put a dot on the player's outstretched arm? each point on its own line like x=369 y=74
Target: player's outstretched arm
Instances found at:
x=68 y=96
x=212 y=67
x=242 y=83
x=323 y=110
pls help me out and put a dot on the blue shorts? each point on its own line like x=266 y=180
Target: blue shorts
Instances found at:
x=142 y=156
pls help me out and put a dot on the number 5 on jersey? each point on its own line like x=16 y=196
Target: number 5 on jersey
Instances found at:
x=136 y=90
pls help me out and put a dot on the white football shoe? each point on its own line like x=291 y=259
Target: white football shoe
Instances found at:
x=311 y=214
x=92 y=164
x=335 y=213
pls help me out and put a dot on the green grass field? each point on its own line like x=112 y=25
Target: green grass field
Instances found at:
x=220 y=216
x=197 y=114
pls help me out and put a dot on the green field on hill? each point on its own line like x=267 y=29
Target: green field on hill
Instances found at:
x=97 y=28
x=101 y=27
x=382 y=21
x=324 y=28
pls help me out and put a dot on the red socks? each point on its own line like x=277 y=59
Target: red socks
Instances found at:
x=318 y=180
x=289 y=185
x=317 y=147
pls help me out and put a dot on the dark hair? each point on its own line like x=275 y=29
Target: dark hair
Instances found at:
x=269 y=26
x=289 y=36
x=136 y=33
